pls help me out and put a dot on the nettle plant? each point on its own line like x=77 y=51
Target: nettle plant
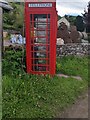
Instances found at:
x=13 y=62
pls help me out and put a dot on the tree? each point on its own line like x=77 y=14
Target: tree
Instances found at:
x=80 y=24
x=71 y=19
x=14 y=19
x=86 y=18
x=59 y=17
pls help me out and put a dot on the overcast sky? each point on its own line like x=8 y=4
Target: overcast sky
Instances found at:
x=71 y=7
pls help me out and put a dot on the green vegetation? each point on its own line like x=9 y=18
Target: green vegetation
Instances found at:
x=0 y=100
x=38 y=96
x=14 y=19
x=72 y=65
x=80 y=23
x=86 y=18
x=71 y=19
x=59 y=17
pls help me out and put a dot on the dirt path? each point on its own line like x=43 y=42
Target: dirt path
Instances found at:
x=78 y=110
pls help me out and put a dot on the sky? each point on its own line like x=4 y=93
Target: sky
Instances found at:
x=67 y=7
x=71 y=7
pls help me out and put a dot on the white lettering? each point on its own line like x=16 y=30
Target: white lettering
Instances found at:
x=40 y=5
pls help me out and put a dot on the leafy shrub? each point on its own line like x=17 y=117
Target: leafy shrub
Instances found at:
x=13 y=62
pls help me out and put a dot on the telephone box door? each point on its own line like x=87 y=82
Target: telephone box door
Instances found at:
x=40 y=42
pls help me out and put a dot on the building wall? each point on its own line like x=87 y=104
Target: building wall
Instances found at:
x=64 y=20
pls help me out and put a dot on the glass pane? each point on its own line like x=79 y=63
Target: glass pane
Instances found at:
x=40 y=39
x=40 y=68
x=40 y=33
x=40 y=48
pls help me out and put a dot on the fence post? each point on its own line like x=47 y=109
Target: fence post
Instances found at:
x=1 y=13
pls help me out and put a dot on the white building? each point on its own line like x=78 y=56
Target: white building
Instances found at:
x=63 y=19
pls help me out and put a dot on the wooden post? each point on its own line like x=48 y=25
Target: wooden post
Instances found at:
x=6 y=7
x=1 y=31
x=1 y=12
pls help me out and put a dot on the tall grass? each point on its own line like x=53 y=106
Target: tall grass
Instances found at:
x=73 y=65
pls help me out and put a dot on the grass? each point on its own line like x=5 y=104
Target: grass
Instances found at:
x=73 y=65
x=33 y=96
x=0 y=102
x=38 y=96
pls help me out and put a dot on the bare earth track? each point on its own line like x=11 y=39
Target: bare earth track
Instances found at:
x=79 y=109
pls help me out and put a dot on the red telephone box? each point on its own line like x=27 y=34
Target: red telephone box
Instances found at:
x=41 y=31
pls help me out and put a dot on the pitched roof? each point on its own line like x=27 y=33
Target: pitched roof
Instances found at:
x=63 y=19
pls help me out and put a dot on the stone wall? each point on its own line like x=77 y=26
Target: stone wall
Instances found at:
x=79 y=49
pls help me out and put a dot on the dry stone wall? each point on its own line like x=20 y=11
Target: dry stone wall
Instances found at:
x=79 y=49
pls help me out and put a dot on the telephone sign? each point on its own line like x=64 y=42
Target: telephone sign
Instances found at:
x=41 y=31
x=40 y=5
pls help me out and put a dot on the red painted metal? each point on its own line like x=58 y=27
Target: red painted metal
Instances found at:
x=41 y=31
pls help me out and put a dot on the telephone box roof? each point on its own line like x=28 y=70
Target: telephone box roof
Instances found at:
x=40 y=0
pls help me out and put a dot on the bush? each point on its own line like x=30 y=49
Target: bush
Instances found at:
x=13 y=62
